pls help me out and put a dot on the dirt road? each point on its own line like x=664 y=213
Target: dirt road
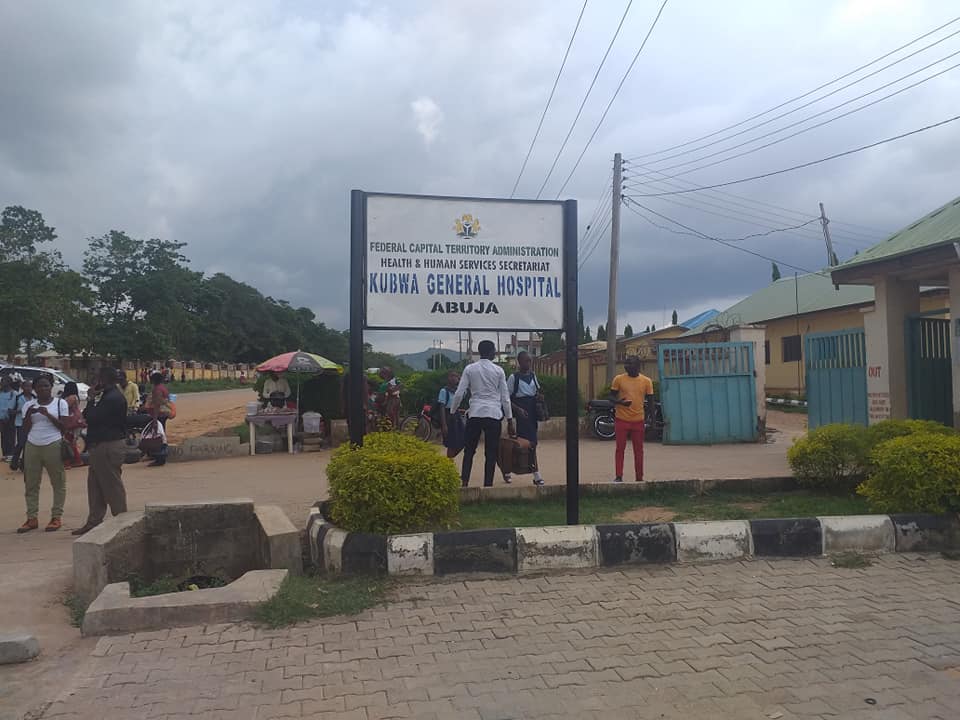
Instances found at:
x=204 y=412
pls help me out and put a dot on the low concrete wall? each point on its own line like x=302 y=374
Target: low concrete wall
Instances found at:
x=115 y=612
x=859 y=533
x=207 y=448
x=222 y=537
x=109 y=553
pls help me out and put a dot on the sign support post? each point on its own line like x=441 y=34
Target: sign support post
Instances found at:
x=357 y=389
x=570 y=302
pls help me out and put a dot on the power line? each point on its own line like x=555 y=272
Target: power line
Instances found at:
x=546 y=107
x=696 y=233
x=593 y=82
x=615 y=93
x=804 y=95
x=764 y=224
x=605 y=199
x=807 y=164
x=822 y=97
x=875 y=233
x=812 y=127
x=596 y=243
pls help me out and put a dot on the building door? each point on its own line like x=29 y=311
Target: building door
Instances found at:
x=930 y=380
x=836 y=367
x=708 y=392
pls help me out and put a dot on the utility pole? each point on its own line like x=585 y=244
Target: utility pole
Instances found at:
x=469 y=346
x=831 y=256
x=460 y=345
x=614 y=267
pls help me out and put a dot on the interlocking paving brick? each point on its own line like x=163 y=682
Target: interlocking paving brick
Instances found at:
x=757 y=639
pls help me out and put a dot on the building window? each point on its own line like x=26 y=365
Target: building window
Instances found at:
x=766 y=352
x=792 y=349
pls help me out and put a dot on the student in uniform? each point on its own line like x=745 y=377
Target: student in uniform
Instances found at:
x=524 y=389
x=451 y=423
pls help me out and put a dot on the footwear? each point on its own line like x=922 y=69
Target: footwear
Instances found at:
x=54 y=524
x=30 y=524
x=507 y=479
x=618 y=479
x=87 y=527
x=156 y=463
x=538 y=482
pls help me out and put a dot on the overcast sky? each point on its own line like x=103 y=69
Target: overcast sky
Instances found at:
x=239 y=127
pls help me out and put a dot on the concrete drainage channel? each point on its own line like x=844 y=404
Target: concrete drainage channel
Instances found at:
x=548 y=549
x=255 y=544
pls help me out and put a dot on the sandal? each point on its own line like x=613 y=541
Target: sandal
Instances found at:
x=54 y=524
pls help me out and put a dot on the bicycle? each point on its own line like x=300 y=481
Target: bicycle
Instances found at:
x=420 y=425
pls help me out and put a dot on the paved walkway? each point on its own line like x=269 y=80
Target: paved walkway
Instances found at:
x=765 y=640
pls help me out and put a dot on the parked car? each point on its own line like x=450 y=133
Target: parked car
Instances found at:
x=60 y=378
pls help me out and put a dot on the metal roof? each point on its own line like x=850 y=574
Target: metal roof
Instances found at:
x=813 y=292
x=696 y=320
x=937 y=228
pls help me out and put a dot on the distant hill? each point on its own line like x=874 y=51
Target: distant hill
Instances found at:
x=418 y=361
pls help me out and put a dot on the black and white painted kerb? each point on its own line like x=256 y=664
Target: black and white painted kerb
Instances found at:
x=545 y=549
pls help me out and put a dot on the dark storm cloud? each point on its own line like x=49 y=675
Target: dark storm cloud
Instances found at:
x=240 y=127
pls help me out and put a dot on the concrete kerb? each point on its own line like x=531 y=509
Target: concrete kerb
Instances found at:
x=546 y=549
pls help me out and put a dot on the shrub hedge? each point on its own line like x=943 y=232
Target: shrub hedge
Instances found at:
x=832 y=457
x=915 y=473
x=393 y=484
x=899 y=465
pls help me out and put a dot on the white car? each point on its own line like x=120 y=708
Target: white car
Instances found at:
x=60 y=378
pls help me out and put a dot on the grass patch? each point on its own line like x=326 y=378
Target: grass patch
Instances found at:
x=717 y=505
x=192 y=386
x=167 y=584
x=76 y=609
x=850 y=559
x=304 y=597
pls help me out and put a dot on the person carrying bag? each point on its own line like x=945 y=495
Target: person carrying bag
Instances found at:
x=526 y=399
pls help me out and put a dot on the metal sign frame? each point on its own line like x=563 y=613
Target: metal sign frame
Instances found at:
x=358 y=285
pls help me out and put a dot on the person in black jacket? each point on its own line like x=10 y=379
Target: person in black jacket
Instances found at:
x=106 y=432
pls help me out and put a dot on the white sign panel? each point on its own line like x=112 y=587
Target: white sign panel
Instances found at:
x=470 y=264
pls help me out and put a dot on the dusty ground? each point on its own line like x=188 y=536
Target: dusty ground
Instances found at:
x=36 y=567
x=204 y=412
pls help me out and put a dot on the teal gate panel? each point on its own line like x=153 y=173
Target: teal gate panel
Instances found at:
x=708 y=392
x=836 y=371
x=930 y=387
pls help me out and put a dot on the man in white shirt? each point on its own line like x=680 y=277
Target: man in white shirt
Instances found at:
x=489 y=404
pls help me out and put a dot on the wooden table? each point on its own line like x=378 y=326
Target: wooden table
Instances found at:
x=277 y=420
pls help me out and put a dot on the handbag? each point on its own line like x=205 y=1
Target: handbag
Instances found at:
x=543 y=412
x=152 y=438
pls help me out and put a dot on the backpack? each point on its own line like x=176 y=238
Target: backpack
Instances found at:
x=542 y=412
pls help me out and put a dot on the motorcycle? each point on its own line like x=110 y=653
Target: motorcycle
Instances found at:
x=600 y=415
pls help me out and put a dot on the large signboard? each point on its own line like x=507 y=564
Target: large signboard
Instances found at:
x=451 y=263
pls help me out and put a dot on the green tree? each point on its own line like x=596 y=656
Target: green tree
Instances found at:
x=587 y=335
x=653 y=328
x=674 y=319
x=601 y=332
x=581 y=327
x=552 y=342
x=775 y=271
x=37 y=292
x=648 y=329
x=628 y=330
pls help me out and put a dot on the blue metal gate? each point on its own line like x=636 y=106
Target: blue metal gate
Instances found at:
x=836 y=366
x=708 y=392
